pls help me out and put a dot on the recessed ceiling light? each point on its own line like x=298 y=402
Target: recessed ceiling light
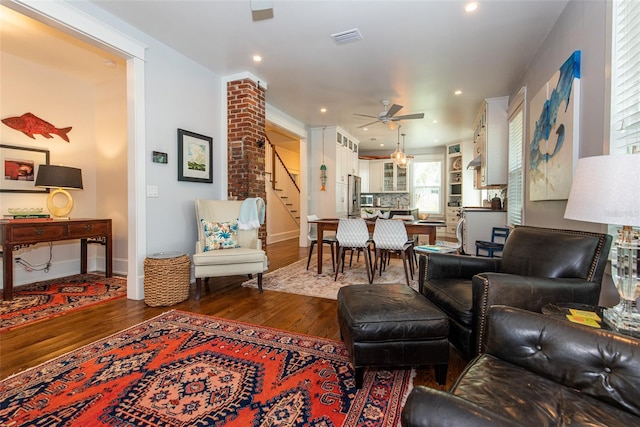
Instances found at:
x=381 y=145
x=365 y=128
x=471 y=7
x=323 y=110
x=458 y=92
x=435 y=121
x=257 y=58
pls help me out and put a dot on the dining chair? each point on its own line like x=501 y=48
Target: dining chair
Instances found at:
x=353 y=234
x=391 y=236
x=499 y=236
x=326 y=240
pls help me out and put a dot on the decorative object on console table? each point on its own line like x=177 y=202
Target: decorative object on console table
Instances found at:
x=601 y=193
x=19 y=166
x=195 y=157
x=62 y=178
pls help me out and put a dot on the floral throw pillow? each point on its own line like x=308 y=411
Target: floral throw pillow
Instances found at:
x=220 y=235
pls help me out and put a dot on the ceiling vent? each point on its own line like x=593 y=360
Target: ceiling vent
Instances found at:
x=347 y=36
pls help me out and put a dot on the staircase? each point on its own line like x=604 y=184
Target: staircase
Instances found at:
x=282 y=183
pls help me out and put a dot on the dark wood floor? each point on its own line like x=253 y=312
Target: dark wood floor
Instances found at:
x=31 y=345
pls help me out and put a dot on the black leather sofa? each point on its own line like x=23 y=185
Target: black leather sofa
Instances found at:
x=538 y=266
x=538 y=370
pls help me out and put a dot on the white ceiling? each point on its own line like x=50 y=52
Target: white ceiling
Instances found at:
x=413 y=53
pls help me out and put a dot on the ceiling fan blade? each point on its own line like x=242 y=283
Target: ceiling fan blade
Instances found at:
x=368 y=124
x=393 y=110
x=365 y=115
x=408 y=117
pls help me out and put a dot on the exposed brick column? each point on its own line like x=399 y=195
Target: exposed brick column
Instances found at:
x=245 y=127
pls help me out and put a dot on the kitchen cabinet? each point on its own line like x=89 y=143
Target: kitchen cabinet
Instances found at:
x=385 y=177
x=363 y=172
x=460 y=184
x=338 y=151
x=490 y=143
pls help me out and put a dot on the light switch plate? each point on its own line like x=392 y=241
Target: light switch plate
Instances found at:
x=152 y=191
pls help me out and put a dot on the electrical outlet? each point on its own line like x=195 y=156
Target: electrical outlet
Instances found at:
x=18 y=260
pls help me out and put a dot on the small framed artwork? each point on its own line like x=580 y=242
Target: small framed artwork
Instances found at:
x=20 y=168
x=195 y=157
x=159 y=157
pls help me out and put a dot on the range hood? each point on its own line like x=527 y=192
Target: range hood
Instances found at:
x=475 y=163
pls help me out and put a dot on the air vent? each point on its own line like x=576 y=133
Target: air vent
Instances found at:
x=347 y=36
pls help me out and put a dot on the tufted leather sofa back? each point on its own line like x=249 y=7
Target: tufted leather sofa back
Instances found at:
x=544 y=252
x=595 y=362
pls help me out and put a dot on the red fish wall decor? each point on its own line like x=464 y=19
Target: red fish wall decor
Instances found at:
x=30 y=125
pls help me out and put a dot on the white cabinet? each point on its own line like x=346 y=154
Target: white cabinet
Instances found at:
x=490 y=143
x=338 y=151
x=385 y=177
x=460 y=184
x=363 y=172
x=375 y=176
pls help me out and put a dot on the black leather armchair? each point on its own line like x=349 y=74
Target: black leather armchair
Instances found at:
x=538 y=266
x=538 y=371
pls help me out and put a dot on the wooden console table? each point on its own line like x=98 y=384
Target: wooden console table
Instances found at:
x=15 y=234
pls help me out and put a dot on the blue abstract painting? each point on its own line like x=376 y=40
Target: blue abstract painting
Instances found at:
x=553 y=150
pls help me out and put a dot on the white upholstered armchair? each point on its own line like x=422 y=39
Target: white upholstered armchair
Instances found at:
x=217 y=253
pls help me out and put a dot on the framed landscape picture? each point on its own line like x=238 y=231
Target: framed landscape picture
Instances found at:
x=195 y=157
x=20 y=168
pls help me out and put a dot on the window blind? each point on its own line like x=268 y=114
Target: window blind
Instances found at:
x=516 y=142
x=625 y=78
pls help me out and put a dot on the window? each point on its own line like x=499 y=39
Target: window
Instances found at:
x=625 y=78
x=625 y=81
x=427 y=186
x=516 y=143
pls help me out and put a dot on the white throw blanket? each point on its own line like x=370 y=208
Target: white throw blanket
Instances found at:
x=251 y=214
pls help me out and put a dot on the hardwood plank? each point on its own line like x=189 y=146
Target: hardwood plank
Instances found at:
x=31 y=345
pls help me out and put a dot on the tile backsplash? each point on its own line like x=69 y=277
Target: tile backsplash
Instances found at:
x=392 y=200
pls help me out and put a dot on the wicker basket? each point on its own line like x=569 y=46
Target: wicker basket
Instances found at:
x=166 y=279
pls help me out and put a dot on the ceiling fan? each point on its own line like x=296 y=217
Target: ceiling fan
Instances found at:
x=388 y=116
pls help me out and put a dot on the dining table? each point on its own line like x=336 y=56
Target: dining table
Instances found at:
x=423 y=227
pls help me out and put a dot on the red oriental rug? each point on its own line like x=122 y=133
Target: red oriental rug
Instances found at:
x=185 y=369
x=51 y=298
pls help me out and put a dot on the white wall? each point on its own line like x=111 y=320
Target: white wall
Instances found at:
x=582 y=26
x=179 y=94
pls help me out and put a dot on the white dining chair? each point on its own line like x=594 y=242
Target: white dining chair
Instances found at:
x=326 y=240
x=391 y=236
x=353 y=234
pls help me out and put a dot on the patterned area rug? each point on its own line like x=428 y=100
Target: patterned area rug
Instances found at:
x=296 y=279
x=42 y=300
x=185 y=369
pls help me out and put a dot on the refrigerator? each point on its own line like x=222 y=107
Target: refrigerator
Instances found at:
x=353 y=196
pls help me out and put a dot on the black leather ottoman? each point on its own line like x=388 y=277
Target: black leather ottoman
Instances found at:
x=392 y=326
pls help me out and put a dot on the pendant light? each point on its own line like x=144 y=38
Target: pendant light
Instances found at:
x=404 y=161
x=398 y=156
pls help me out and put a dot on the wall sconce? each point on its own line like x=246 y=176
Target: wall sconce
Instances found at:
x=60 y=178
x=260 y=143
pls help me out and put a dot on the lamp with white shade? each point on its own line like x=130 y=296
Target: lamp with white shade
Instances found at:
x=60 y=178
x=606 y=190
